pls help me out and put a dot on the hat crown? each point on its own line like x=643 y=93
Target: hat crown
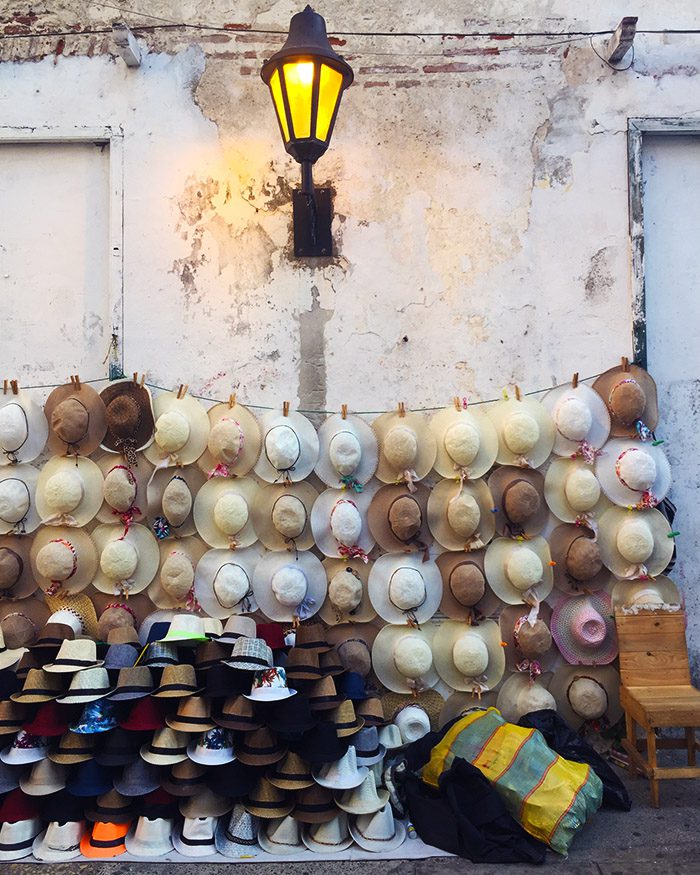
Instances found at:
x=252 y=648
x=379 y=826
x=583 y=560
x=226 y=440
x=467 y=583
x=587 y=697
x=172 y=431
x=57 y=560
x=346 y=522
x=627 y=401
x=573 y=418
x=636 y=469
x=15 y=500
x=14 y=427
x=231 y=512
x=123 y=415
x=534 y=641
x=524 y=568
x=64 y=490
x=413 y=723
x=289 y=585
x=240 y=625
x=289 y=516
x=463 y=514
x=11 y=567
x=177 y=574
x=413 y=657
x=470 y=655
x=345 y=590
x=119 y=559
x=345 y=452
x=70 y=420
x=120 y=488
x=521 y=500
x=269 y=680
x=390 y=736
x=407 y=588
x=462 y=443
x=588 y=627
x=90 y=678
x=520 y=432
x=63 y=836
x=635 y=540
x=333 y=832
x=242 y=826
x=582 y=489
x=534 y=697
x=198 y=828
x=284 y=831
x=231 y=584
x=401 y=446
x=405 y=517
x=366 y=739
x=354 y=654
x=282 y=447
x=176 y=501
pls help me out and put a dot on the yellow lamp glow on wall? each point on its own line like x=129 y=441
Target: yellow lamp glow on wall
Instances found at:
x=306 y=79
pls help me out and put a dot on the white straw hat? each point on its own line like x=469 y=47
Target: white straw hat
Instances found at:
x=123 y=489
x=223 y=582
x=633 y=596
x=469 y=657
x=520 y=694
x=128 y=561
x=60 y=842
x=467 y=442
x=402 y=587
x=69 y=491
x=635 y=543
x=581 y=420
x=407 y=446
x=181 y=430
x=587 y=692
x=150 y=837
x=286 y=586
x=234 y=441
x=282 y=515
x=17 y=839
x=343 y=773
x=347 y=600
x=223 y=512
x=402 y=658
x=23 y=428
x=412 y=721
x=63 y=559
x=45 y=777
x=328 y=838
x=339 y=523
x=19 y=513
x=173 y=586
x=281 y=836
x=573 y=493
x=519 y=571
x=525 y=432
x=460 y=514
x=634 y=474
x=171 y=495
x=195 y=837
x=363 y=799
x=289 y=447
x=379 y=832
x=349 y=452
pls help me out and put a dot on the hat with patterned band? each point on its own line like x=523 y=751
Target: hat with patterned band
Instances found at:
x=130 y=420
x=23 y=428
x=469 y=657
x=349 y=453
x=289 y=588
x=223 y=581
x=581 y=420
x=270 y=685
x=63 y=559
x=19 y=512
x=212 y=748
x=635 y=596
x=16 y=578
x=402 y=658
x=339 y=524
x=634 y=474
x=173 y=586
x=465 y=591
x=25 y=748
x=518 y=499
x=282 y=515
x=347 y=600
x=529 y=646
x=630 y=395
x=281 y=835
x=519 y=571
x=181 y=430
x=404 y=589
x=69 y=491
x=407 y=446
x=587 y=693
x=170 y=495
x=525 y=432
x=573 y=493
x=77 y=419
x=123 y=489
x=467 y=442
x=460 y=515
x=128 y=560
x=584 y=629
x=222 y=512
x=579 y=564
x=521 y=694
x=290 y=447
x=330 y=837
x=635 y=544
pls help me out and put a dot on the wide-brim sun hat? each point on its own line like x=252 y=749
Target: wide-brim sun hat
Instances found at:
x=398 y=518
x=519 y=571
x=129 y=415
x=348 y=452
x=573 y=492
x=402 y=587
x=24 y=428
x=124 y=488
x=290 y=447
x=465 y=590
x=633 y=596
x=128 y=560
x=181 y=429
x=467 y=443
x=282 y=515
x=347 y=600
x=339 y=523
x=587 y=692
x=529 y=646
x=581 y=420
x=460 y=514
x=19 y=511
x=583 y=628
x=77 y=419
x=469 y=656
x=635 y=544
x=223 y=582
x=288 y=586
x=16 y=579
x=518 y=501
x=173 y=585
x=634 y=474
x=63 y=559
x=234 y=441
x=525 y=432
x=407 y=446
x=223 y=512
x=579 y=564
x=69 y=491
x=520 y=695
x=170 y=495
x=402 y=658
x=629 y=393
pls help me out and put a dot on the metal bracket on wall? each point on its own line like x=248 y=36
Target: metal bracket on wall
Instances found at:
x=312 y=223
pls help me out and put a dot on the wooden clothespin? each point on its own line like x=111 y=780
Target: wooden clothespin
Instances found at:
x=457 y=403
x=143 y=380
x=517 y=393
x=182 y=391
x=136 y=377
x=285 y=408
x=15 y=387
x=402 y=409
x=4 y=387
x=344 y=411
x=625 y=364
x=232 y=401
x=574 y=380
x=75 y=379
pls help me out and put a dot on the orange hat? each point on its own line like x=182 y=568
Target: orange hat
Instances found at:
x=106 y=840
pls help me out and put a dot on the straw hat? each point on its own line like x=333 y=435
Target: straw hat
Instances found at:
x=465 y=590
x=68 y=607
x=173 y=587
x=193 y=715
x=634 y=474
x=195 y=837
x=234 y=442
x=286 y=587
x=73 y=748
x=525 y=432
x=123 y=489
x=267 y=801
x=291 y=773
x=407 y=446
x=469 y=656
x=281 y=836
x=635 y=543
x=19 y=513
x=328 y=838
x=402 y=587
x=282 y=515
x=379 y=832
x=584 y=629
x=165 y=748
x=69 y=491
x=518 y=498
x=133 y=682
x=222 y=512
x=429 y=701
x=129 y=415
x=402 y=658
x=519 y=571
x=353 y=644
x=16 y=578
x=398 y=519
x=343 y=774
x=314 y=804
x=630 y=395
x=60 y=842
x=212 y=748
x=348 y=599
x=176 y=682
x=23 y=428
x=260 y=747
x=181 y=430
x=466 y=442
x=237 y=837
x=250 y=654
x=110 y=807
x=349 y=453
x=581 y=420
x=171 y=495
x=63 y=559
x=25 y=748
x=339 y=523
x=17 y=837
x=237 y=626
x=579 y=564
x=460 y=515
x=364 y=799
x=77 y=419
x=289 y=447
x=520 y=694
x=75 y=656
x=186 y=778
x=128 y=561
x=529 y=645
x=370 y=710
x=223 y=582
x=590 y=692
x=459 y=704
x=633 y=596
x=572 y=492
x=88 y=685
x=345 y=719
x=12 y=717
x=150 y=837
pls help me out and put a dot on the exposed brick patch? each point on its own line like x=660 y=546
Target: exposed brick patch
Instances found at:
x=376 y=84
x=408 y=83
x=380 y=69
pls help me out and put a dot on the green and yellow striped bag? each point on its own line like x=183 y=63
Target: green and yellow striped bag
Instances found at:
x=551 y=797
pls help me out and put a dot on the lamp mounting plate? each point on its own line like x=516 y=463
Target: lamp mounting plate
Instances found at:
x=312 y=223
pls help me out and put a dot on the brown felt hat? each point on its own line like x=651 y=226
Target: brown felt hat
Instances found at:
x=315 y=805
x=261 y=747
x=238 y=713
x=291 y=773
x=398 y=519
x=518 y=496
x=267 y=801
x=579 y=563
x=630 y=396
x=77 y=419
x=465 y=590
x=525 y=641
x=16 y=578
x=323 y=695
x=129 y=416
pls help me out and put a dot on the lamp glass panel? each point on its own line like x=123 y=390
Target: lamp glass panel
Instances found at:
x=330 y=83
x=299 y=79
x=276 y=91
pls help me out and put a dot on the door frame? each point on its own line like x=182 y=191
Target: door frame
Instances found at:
x=637 y=128
x=113 y=138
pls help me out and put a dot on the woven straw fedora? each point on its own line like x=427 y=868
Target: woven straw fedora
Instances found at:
x=345 y=719
x=398 y=519
x=129 y=415
x=330 y=837
x=521 y=694
x=73 y=656
x=579 y=564
x=87 y=686
x=465 y=590
x=349 y=453
x=63 y=559
x=173 y=586
x=19 y=512
x=282 y=515
x=467 y=442
x=581 y=420
x=379 y=832
x=402 y=658
x=630 y=395
x=16 y=578
x=407 y=446
x=134 y=682
x=290 y=447
x=343 y=774
x=234 y=442
x=573 y=493
x=267 y=801
x=69 y=491
x=181 y=429
x=286 y=587
x=123 y=489
x=193 y=715
x=528 y=645
x=633 y=596
x=314 y=804
x=469 y=656
x=518 y=498
x=177 y=681
x=402 y=587
x=525 y=432
x=223 y=581
x=587 y=692
x=519 y=571
x=165 y=748
x=365 y=799
x=281 y=836
x=77 y=419
x=291 y=773
x=223 y=512
x=634 y=474
x=128 y=560
x=23 y=428
x=171 y=496
x=186 y=778
x=635 y=544
x=261 y=747
x=460 y=515
x=584 y=629
x=339 y=523
x=237 y=835
x=73 y=748
x=347 y=600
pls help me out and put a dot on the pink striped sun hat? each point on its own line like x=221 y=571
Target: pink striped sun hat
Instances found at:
x=584 y=630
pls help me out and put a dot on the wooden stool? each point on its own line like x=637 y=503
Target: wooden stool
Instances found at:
x=656 y=692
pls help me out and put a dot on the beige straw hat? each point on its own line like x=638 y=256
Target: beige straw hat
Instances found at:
x=288 y=587
x=633 y=596
x=173 y=586
x=573 y=493
x=181 y=430
x=469 y=656
x=124 y=488
x=581 y=420
x=348 y=454
x=630 y=395
x=460 y=514
x=223 y=512
x=282 y=515
x=587 y=692
x=520 y=695
x=234 y=441
x=518 y=497
x=465 y=590
x=634 y=474
x=525 y=432
x=519 y=570
x=339 y=523
x=289 y=447
x=403 y=588
x=347 y=600
x=128 y=561
x=77 y=419
x=19 y=513
x=69 y=491
x=635 y=543
x=223 y=582
x=23 y=428
x=407 y=446
x=63 y=559
x=579 y=564
x=528 y=644
x=402 y=658
x=459 y=703
x=467 y=442
x=398 y=518
x=171 y=496
x=16 y=578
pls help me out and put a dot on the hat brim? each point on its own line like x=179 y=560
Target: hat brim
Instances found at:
x=498 y=484
x=573 y=651
x=380 y=577
x=205 y=575
x=611 y=484
x=278 y=849
x=205 y=503
x=194 y=479
x=440 y=497
x=606 y=675
x=378 y=518
x=600 y=418
x=37 y=429
x=161 y=759
x=381 y=845
x=458 y=703
x=369 y=449
x=97 y=419
x=147 y=551
x=30 y=476
x=321 y=520
x=555 y=492
x=48 y=855
x=507 y=619
x=86 y=555
x=426 y=444
x=513 y=685
x=382 y=799
x=262 y=515
x=487 y=605
x=308 y=447
x=161 y=598
x=383 y=659
x=606 y=382
x=219 y=760
x=338 y=783
x=197 y=850
x=25 y=585
x=443 y=643
x=560 y=540
x=488 y=441
x=317 y=585
x=624 y=592
x=141 y=474
x=142 y=435
x=252 y=439
x=500 y=411
x=610 y=523
x=198 y=421
x=138 y=848
x=364 y=612
x=495 y=565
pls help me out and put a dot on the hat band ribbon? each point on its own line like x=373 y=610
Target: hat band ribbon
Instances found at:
x=531 y=598
x=189 y=688
x=588 y=520
x=12 y=454
x=253 y=660
x=410 y=478
x=77 y=694
x=304 y=610
x=636 y=572
x=106 y=843
x=195 y=842
x=260 y=751
x=368 y=754
x=318 y=699
x=36 y=691
x=265 y=803
x=328 y=844
x=295 y=670
x=292 y=776
x=185 y=782
x=57 y=584
x=192 y=721
x=127 y=445
x=648 y=498
x=73 y=751
x=61 y=519
x=163 y=751
x=350 y=482
x=348 y=724
x=531 y=666
x=239 y=840
x=83 y=662
x=311 y=808
x=585 y=451
x=373 y=838
x=353 y=552
x=17 y=846
x=102 y=809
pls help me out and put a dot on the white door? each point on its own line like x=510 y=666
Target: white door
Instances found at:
x=671 y=167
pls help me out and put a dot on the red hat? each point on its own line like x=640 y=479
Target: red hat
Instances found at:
x=50 y=720
x=145 y=715
x=272 y=634
x=18 y=806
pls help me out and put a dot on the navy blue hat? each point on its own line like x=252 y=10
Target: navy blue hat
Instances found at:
x=61 y=807
x=119 y=747
x=321 y=745
x=89 y=779
x=224 y=682
x=234 y=779
x=288 y=717
x=351 y=685
x=158 y=631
